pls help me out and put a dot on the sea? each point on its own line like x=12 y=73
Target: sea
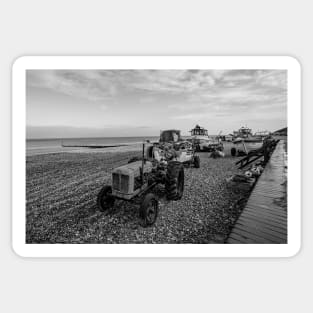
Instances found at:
x=59 y=145
x=91 y=145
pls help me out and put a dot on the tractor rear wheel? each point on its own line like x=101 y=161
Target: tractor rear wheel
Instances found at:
x=105 y=199
x=149 y=209
x=196 y=161
x=174 y=180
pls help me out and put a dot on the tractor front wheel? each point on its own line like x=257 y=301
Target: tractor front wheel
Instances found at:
x=105 y=199
x=149 y=209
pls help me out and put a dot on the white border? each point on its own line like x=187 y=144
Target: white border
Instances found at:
x=156 y=62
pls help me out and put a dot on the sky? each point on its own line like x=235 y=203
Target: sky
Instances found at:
x=118 y=103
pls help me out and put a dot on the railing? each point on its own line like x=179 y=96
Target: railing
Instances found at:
x=265 y=151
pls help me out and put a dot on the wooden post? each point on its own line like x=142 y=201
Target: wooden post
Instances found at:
x=143 y=162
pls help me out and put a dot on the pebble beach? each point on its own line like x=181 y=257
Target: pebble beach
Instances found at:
x=61 y=191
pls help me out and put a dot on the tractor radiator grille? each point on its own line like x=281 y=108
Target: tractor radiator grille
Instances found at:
x=124 y=183
x=116 y=181
x=120 y=183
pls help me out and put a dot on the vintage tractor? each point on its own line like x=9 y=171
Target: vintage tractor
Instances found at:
x=135 y=181
x=171 y=147
x=183 y=151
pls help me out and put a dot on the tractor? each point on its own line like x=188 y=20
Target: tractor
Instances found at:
x=161 y=163
x=171 y=146
x=184 y=151
x=135 y=181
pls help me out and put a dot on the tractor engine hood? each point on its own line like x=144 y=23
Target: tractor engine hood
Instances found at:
x=133 y=169
x=125 y=183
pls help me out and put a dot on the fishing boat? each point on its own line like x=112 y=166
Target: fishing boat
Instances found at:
x=245 y=134
x=262 y=134
x=203 y=142
x=199 y=132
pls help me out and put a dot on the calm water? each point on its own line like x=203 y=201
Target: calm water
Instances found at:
x=43 y=146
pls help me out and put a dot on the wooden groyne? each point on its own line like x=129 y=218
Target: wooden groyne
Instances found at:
x=264 y=219
x=93 y=146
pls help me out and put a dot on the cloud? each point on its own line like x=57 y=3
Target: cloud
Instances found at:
x=98 y=85
x=275 y=78
x=192 y=116
x=236 y=91
x=82 y=84
x=171 y=81
x=190 y=93
x=147 y=100
x=103 y=107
